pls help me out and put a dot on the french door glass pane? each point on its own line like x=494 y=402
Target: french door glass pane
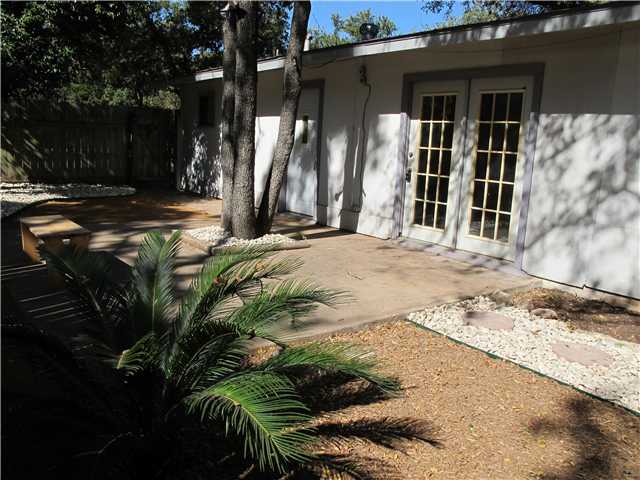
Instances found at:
x=499 y=122
x=434 y=160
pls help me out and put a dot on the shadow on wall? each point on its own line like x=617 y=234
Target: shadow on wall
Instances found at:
x=202 y=174
x=359 y=152
x=584 y=214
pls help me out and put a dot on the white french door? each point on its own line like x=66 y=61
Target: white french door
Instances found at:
x=487 y=157
x=492 y=183
x=436 y=134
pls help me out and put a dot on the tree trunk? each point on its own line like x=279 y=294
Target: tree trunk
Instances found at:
x=227 y=124
x=243 y=219
x=286 y=132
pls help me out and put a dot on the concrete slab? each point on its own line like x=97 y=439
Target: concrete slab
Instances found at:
x=586 y=355
x=384 y=279
x=490 y=320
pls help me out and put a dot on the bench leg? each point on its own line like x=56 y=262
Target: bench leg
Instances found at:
x=29 y=243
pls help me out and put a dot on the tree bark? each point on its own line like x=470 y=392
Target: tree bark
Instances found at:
x=243 y=219
x=292 y=88
x=228 y=152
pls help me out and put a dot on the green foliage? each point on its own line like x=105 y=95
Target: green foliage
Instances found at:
x=477 y=11
x=117 y=53
x=179 y=375
x=347 y=30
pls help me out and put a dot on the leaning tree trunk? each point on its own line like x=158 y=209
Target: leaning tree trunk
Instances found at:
x=288 y=113
x=227 y=124
x=243 y=219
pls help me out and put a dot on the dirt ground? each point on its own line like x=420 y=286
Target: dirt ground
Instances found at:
x=489 y=419
x=582 y=313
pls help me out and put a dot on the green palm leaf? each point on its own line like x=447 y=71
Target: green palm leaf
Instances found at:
x=332 y=357
x=154 y=281
x=88 y=275
x=204 y=358
x=226 y=275
x=143 y=355
x=263 y=315
x=264 y=410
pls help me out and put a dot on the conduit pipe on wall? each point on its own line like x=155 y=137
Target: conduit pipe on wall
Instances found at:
x=356 y=205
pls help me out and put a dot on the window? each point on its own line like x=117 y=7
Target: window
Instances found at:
x=434 y=160
x=495 y=164
x=205 y=111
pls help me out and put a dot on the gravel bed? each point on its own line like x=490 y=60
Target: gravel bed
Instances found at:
x=218 y=237
x=16 y=196
x=529 y=345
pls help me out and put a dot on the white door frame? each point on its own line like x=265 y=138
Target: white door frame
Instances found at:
x=282 y=200
x=443 y=236
x=475 y=243
x=535 y=70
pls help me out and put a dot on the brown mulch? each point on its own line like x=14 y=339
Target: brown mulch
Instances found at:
x=582 y=313
x=487 y=418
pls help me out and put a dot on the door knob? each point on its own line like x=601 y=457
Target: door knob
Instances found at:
x=407 y=175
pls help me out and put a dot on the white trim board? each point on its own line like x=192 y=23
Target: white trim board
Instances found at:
x=566 y=21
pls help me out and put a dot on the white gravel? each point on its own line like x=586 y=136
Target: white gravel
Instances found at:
x=217 y=237
x=16 y=196
x=529 y=344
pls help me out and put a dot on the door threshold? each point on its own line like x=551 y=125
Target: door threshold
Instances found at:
x=471 y=258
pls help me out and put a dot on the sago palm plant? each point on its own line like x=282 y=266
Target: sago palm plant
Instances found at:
x=173 y=390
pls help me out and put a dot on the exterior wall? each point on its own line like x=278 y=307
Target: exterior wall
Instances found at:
x=584 y=211
x=584 y=214
x=198 y=168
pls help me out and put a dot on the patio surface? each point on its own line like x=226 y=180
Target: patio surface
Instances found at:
x=386 y=280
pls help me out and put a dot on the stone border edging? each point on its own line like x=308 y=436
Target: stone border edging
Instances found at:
x=498 y=357
x=210 y=249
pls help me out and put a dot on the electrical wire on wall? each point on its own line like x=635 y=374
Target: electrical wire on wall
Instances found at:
x=356 y=205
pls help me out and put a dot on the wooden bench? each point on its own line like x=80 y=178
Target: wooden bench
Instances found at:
x=54 y=231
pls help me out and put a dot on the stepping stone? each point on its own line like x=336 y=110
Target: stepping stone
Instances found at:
x=490 y=320
x=545 y=313
x=583 y=354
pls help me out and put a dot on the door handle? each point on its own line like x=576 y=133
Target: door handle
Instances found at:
x=407 y=174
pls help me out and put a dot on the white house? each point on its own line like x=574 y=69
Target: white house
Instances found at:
x=515 y=139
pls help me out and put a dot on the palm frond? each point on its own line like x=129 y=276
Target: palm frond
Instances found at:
x=265 y=314
x=143 y=355
x=228 y=274
x=154 y=282
x=261 y=408
x=205 y=357
x=332 y=357
x=88 y=275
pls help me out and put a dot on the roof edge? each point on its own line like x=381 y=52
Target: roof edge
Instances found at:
x=403 y=42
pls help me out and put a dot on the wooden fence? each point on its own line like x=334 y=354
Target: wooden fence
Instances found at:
x=46 y=142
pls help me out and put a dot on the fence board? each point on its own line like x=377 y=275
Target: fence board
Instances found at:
x=51 y=142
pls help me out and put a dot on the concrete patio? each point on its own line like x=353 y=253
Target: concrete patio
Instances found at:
x=386 y=279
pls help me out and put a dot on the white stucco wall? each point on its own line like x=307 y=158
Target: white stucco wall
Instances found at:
x=198 y=147
x=584 y=214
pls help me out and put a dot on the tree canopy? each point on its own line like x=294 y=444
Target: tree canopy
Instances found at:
x=476 y=11
x=117 y=52
x=347 y=30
